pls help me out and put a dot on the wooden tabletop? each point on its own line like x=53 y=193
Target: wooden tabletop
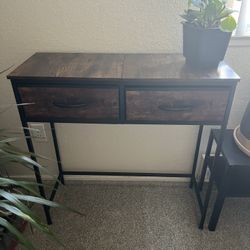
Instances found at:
x=115 y=66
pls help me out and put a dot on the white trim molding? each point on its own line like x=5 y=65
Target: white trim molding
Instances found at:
x=106 y=178
x=240 y=41
x=244 y=19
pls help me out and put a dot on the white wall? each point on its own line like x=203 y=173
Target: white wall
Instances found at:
x=28 y=26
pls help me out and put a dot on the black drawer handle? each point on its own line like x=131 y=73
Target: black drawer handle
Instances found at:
x=64 y=105
x=166 y=107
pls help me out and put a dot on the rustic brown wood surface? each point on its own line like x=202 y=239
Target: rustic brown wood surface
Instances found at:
x=70 y=103
x=122 y=88
x=176 y=105
x=170 y=67
x=67 y=65
x=115 y=66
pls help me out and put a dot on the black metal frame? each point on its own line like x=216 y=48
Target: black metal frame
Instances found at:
x=204 y=205
x=223 y=183
x=122 y=120
x=139 y=174
x=31 y=149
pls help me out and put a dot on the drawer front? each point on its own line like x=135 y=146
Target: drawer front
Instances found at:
x=70 y=103
x=174 y=105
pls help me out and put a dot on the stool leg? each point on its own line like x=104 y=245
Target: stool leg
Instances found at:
x=205 y=164
x=216 y=211
x=206 y=202
x=209 y=189
x=222 y=191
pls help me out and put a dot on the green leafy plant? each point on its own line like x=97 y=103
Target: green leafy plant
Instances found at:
x=210 y=14
x=17 y=197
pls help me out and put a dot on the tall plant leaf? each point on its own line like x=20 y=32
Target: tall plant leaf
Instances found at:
x=25 y=242
x=44 y=202
x=15 y=201
x=28 y=186
x=36 y=223
x=20 y=204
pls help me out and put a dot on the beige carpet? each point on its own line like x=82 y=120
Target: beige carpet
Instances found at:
x=150 y=216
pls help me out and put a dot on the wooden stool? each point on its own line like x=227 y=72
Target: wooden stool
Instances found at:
x=231 y=172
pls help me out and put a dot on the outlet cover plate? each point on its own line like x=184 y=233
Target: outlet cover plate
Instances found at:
x=37 y=131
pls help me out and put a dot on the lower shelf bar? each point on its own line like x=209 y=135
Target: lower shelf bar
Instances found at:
x=58 y=181
x=126 y=174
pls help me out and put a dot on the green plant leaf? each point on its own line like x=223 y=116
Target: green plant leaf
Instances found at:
x=17 y=151
x=1 y=72
x=11 y=202
x=23 y=184
x=14 y=200
x=18 y=212
x=9 y=140
x=225 y=13
x=36 y=200
x=191 y=15
x=40 y=226
x=44 y=202
x=8 y=151
x=228 y=24
x=25 y=213
x=9 y=148
x=209 y=13
x=25 y=242
x=5 y=108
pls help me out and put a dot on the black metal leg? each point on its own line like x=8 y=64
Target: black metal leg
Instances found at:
x=217 y=154
x=59 y=164
x=205 y=164
x=216 y=211
x=211 y=181
x=206 y=202
x=53 y=193
x=31 y=149
x=219 y=200
x=196 y=154
x=37 y=173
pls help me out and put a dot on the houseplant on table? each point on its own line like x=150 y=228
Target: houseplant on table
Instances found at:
x=207 y=30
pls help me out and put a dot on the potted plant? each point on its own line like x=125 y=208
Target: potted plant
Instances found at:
x=207 y=31
x=18 y=197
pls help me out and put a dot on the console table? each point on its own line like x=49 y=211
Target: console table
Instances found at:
x=122 y=89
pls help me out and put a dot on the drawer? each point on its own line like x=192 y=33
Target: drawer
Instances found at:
x=70 y=103
x=177 y=105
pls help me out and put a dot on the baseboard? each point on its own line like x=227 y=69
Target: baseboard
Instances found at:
x=107 y=178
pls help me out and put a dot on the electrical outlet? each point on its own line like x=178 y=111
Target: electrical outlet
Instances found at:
x=37 y=131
